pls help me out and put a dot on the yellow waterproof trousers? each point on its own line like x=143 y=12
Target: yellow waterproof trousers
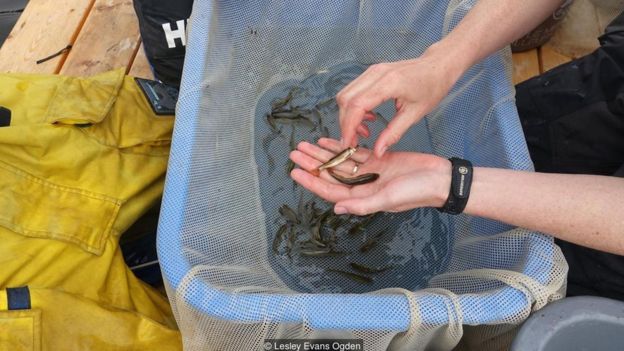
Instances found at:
x=80 y=160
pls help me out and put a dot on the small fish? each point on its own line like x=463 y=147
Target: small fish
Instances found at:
x=291 y=142
x=324 y=132
x=299 y=120
x=289 y=214
x=321 y=253
x=318 y=116
x=300 y=204
x=336 y=221
x=290 y=165
x=271 y=122
x=333 y=238
x=353 y=276
x=368 y=270
x=356 y=229
x=305 y=216
x=266 y=144
x=323 y=216
x=372 y=242
x=336 y=160
x=292 y=238
x=279 y=237
x=325 y=102
x=360 y=226
x=314 y=211
x=318 y=243
x=287 y=114
x=359 y=180
x=319 y=119
x=316 y=232
x=280 y=103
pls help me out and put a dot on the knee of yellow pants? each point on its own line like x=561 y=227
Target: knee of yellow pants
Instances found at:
x=63 y=321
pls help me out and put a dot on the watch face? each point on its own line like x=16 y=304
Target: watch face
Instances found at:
x=463 y=170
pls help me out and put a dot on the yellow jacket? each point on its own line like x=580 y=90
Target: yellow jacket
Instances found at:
x=81 y=160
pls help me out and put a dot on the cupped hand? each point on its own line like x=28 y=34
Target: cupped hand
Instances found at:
x=417 y=86
x=407 y=179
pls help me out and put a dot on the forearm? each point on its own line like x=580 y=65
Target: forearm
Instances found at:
x=491 y=25
x=586 y=210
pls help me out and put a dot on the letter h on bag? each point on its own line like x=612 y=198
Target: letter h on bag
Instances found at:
x=172 y=35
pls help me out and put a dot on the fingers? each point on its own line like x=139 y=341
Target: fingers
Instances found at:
x=362 y=205
x=307 y=157
x=361 y=156
x=329 y=148
x=304 y=160
x=329 y=191
x=395 y=130
x=345 y=198
x=351 y=113
x=363 y=131
x=332 y=145
x=359 y=98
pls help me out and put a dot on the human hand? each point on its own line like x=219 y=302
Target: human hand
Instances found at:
x=416 y=86
x=407 y=179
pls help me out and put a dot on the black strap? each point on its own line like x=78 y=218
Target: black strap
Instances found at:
x=5 y=117
x=18 y=298
x=461 y=180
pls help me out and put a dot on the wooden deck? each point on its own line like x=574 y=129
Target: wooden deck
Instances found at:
x=104 y=34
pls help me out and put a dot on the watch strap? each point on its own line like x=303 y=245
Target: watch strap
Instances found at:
x=461 y=181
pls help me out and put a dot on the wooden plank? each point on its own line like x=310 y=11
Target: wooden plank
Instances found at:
x=550 y=58
x=525 y=65
x=44 y=28
x=141 y=67
x=108 y=40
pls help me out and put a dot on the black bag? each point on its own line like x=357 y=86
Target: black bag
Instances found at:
x=163 y=31
x=573 y=121
x=10 y=10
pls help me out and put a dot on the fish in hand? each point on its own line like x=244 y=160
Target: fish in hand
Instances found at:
x=336 y=160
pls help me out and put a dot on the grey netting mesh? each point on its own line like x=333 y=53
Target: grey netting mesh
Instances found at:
x=248 y=255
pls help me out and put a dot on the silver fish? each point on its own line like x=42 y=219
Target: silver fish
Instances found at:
x=336 y=160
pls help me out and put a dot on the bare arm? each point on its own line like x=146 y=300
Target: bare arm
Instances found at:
x=491 y=25
x=583 y=209
x=418 y=85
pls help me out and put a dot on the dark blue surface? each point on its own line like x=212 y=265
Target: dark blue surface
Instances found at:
x=18 y=298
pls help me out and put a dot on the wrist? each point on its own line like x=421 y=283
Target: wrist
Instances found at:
x=442 y=181
x=456 y=59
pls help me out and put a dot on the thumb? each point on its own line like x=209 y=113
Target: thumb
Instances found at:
x=361 y=206
x=401 y=122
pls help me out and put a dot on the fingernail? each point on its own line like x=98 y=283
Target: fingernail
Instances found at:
x=340 y=210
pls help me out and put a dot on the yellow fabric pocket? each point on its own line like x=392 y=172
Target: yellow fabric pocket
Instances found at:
x=113 y=110
x=132 y=123
x=84 y=100
x=34 y=207
x=20 y=330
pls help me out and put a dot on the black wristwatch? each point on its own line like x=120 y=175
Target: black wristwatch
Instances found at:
x=461 y=180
